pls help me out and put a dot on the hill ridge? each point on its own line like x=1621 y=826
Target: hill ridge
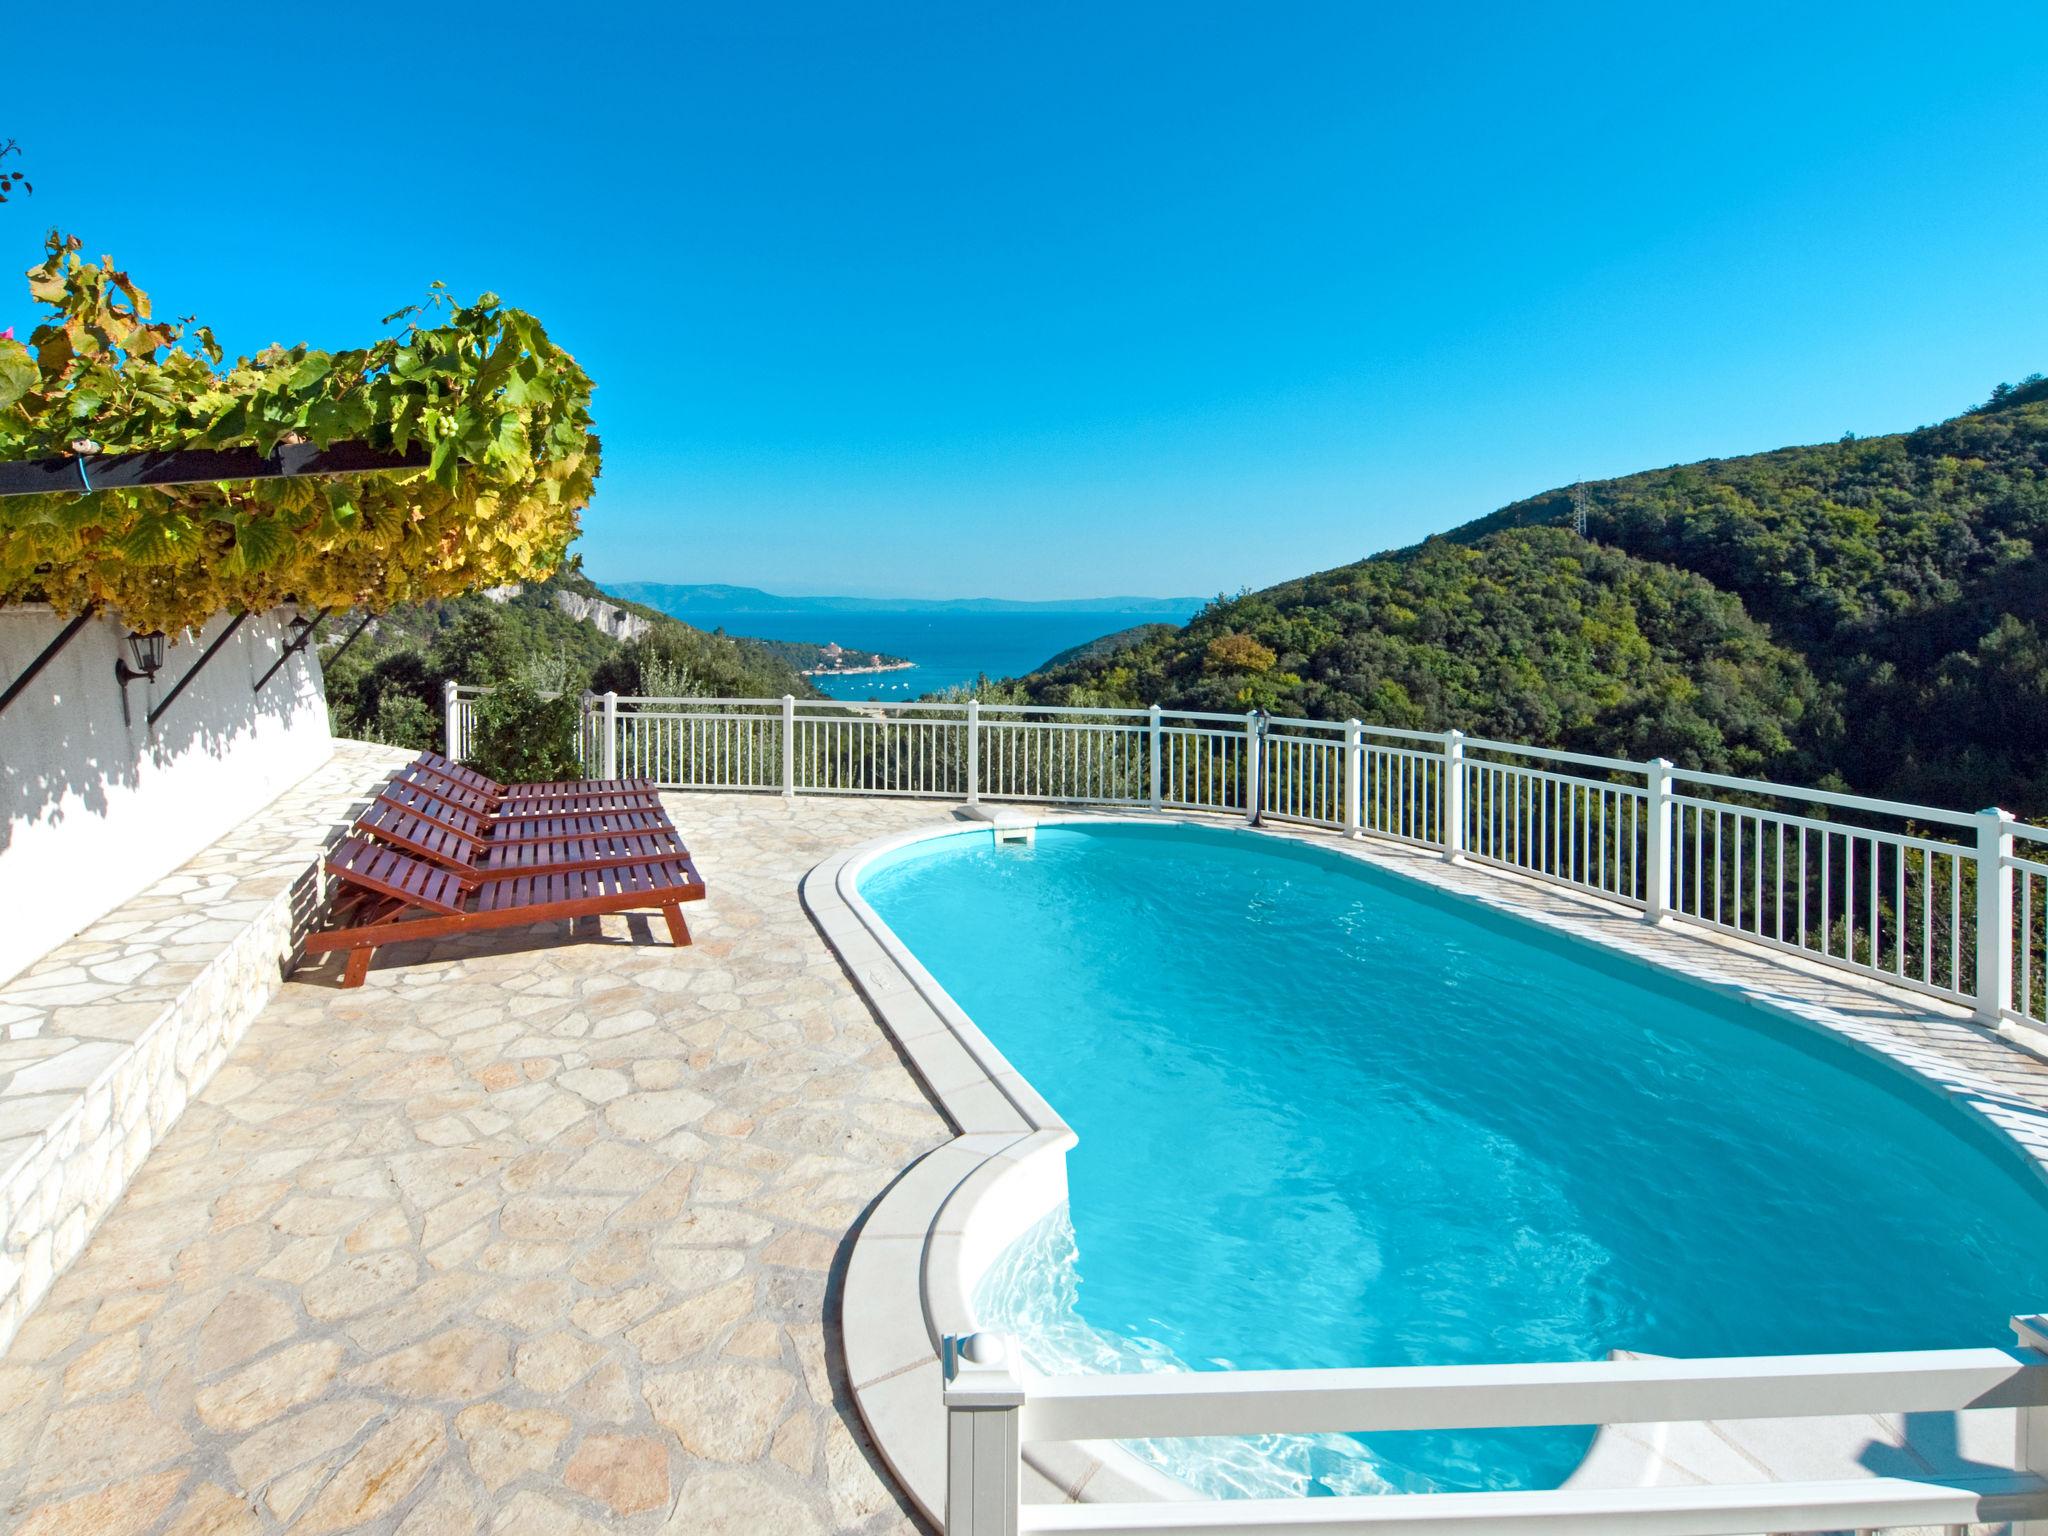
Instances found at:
x=1869 y=612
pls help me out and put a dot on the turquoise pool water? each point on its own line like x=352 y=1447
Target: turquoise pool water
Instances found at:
x=1330 y=1117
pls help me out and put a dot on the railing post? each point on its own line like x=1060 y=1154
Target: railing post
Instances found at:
x=451 y=720
x=974 y=751
x=1354 y=777
x=1451 y=803
x=984 y=1406
x=1657 y=843
x=609 y=752
x=2030 y=1451
x=1254 y=777
x=1152 y=737
x=789 y=747
x=1994 y=918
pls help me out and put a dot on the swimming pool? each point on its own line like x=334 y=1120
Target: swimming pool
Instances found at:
x=1329 y=1116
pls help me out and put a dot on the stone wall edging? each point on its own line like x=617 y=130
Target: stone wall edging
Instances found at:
x=56 y=1195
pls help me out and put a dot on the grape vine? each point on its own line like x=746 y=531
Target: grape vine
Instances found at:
x=503 y=411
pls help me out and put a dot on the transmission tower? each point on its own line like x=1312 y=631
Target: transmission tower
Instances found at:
x=1579 y=509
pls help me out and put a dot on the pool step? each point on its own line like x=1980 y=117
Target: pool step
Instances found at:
x=1011 y=827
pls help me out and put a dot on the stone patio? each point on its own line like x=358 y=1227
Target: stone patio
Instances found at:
x=528 y=1235
x=535 y=1234
x=104 y=1039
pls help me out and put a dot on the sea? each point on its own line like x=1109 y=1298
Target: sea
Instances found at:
x=951 y=649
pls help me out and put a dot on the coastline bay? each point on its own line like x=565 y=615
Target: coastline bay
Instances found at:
x=951 y=648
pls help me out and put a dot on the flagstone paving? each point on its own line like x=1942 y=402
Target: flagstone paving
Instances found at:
x=535 y=1235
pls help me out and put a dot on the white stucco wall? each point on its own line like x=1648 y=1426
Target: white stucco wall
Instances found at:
x=97 y=806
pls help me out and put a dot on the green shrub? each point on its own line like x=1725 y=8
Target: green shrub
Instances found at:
x=403 y=721
x=519 y=734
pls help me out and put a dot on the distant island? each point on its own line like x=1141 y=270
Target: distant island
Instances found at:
x=836 y=659
x=831 y=659
x=678 y=599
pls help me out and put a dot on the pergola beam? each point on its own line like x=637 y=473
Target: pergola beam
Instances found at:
x=79 y=474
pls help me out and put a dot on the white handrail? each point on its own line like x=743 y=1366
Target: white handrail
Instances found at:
x=995 y=1406
x=1899 y=808
x=1860 y=1504
x=1165 y=1405
x=1555 y=754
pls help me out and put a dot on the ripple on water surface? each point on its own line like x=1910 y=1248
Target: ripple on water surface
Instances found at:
x=1329 y=1117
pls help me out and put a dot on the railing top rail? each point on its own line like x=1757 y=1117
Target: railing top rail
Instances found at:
x=1825 y=797
x=649 y=698
x=1797 y=822
x=1556 y=755
x=1129 y=716
x=1337 y=728
x=1681 y=1509
x=1169 y=1404
x=885 y=706
x=1402 y=733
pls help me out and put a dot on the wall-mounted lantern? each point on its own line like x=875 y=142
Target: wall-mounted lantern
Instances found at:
x=145 y=658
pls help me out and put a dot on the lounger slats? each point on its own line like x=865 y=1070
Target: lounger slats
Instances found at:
x=574 y=805
x=426 y=782
x=556 y=787
x=558 y=827
x=519 y=802
x=413 y=833
x=473 y=861
x=627 y=885
x=592 y=849
x=391 y=873
x=549 y=825
x=410 y=797
x=423 y=783
x=447 y=769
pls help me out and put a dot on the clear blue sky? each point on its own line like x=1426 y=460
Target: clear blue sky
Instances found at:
x=1054 y=299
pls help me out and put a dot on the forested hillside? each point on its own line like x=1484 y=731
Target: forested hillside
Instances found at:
x=387 y=685
x=1872 y=611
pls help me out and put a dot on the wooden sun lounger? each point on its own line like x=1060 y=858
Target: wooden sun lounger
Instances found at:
x=548 y=789
x=389 y=897
x=475 y=861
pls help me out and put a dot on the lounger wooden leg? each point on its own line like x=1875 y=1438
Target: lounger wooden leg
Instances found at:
x=677 y=928
x=358 y=966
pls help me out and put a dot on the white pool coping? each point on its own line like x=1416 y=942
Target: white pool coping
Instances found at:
x=929 y=1240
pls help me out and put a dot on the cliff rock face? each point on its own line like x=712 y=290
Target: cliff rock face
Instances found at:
x=605 y=618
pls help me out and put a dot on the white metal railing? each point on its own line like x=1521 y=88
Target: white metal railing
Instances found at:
x=1942 y=902
x=995 y=1407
